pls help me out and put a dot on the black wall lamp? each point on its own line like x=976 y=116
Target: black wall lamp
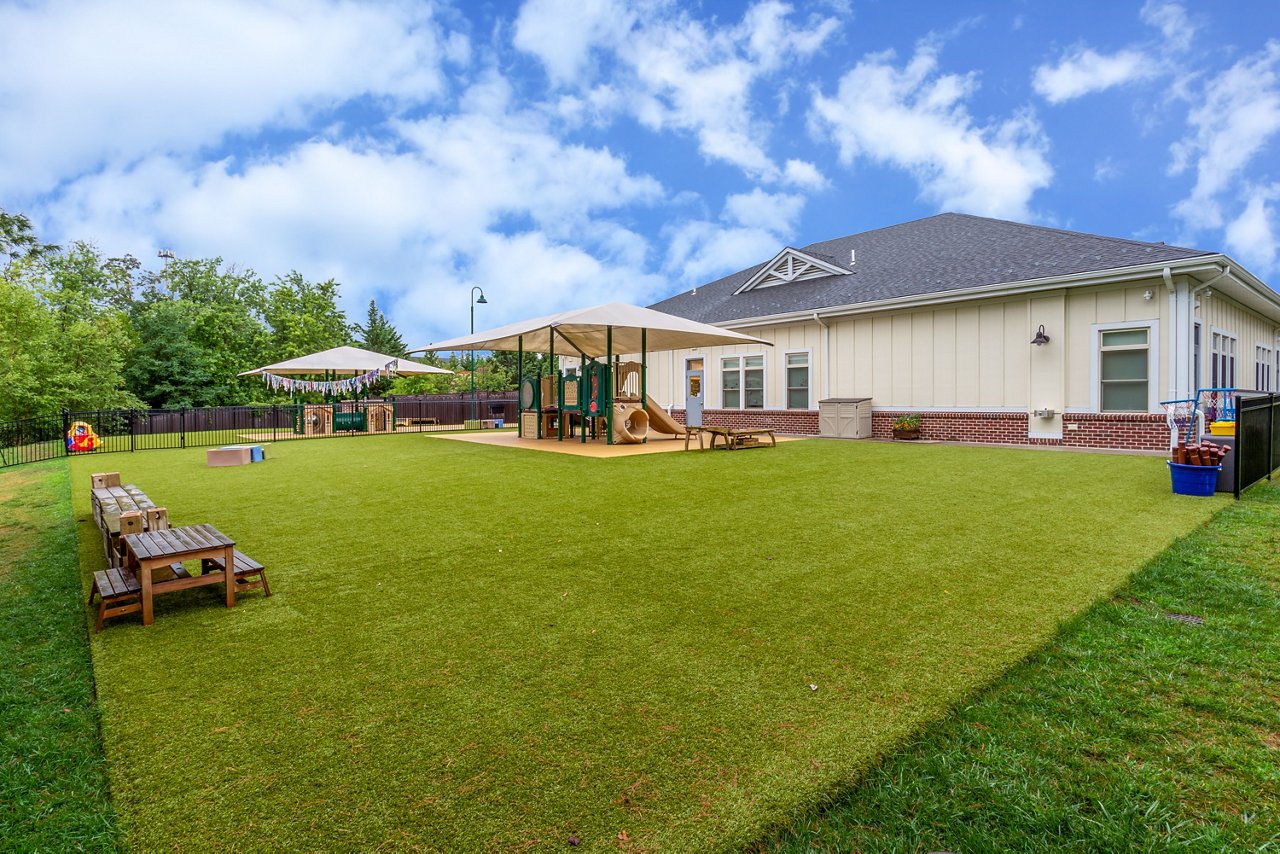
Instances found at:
x=1040 y=338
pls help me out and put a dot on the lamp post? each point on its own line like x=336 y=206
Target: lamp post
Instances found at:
x=474 y=302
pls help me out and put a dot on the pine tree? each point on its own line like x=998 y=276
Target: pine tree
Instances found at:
x=379 y=335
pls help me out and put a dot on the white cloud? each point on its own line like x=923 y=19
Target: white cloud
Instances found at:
x=1084 y=71
x=129 y=79
x=1105 y=170
x=562 y=33
x=1172 y=21
x=671 y=71
x=1254 y=235
x=752 y=228
x=489 y=198
x=1234 y=120
x=801 y=173
x=915 y=118
x=773 y=212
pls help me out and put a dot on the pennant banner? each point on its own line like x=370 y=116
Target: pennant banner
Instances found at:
x=356 y=384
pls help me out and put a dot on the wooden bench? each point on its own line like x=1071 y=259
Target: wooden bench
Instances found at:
x=246 y=568
x=735 y=438
x=118 y=593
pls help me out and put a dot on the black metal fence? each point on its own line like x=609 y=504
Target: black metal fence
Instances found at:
x=51 y=436
x=1257 y=438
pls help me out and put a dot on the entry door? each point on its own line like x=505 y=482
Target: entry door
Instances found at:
x=693 y=395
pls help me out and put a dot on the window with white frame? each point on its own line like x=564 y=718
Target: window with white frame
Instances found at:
x=1262 y=368
x=1124 y=367
x=1222 y=361
x=742 y=382
x=798 y=380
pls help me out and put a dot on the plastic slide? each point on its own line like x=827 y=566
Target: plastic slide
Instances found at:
x=660 y=421
x=630 y=423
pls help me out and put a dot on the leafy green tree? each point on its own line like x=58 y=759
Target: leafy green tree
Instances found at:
x=304 y=317
x=169 y=368
x=222 y=316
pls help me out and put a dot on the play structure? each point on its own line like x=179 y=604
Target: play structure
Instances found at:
x=602 y=396
x=594 y=399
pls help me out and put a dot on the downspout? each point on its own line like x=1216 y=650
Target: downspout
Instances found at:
x=1177 y=332
x=826 y=354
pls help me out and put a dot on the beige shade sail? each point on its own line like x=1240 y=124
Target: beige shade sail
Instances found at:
x=344 y=360
x=586 y=330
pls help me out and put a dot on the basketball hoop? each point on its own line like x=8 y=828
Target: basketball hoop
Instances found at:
x=1184 y=420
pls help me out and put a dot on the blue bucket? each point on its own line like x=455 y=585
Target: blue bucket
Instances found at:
x=1193 y=480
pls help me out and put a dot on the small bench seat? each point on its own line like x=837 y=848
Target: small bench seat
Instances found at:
x=249 y=573
x=118 y=593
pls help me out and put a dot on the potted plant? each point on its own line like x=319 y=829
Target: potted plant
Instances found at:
x=906 y=427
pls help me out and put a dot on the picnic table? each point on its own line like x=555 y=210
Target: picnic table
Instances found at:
x=735 y=438
x=152 y=550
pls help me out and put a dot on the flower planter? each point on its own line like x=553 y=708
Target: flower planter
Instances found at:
x=907 y=433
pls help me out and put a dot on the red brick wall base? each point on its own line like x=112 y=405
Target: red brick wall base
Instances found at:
x=1123 y=431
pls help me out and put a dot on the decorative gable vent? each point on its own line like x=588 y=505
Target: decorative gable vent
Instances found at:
x=791 y=265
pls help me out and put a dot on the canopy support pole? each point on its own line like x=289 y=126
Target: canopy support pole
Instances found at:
x=519 y=385
x=551 y=357
x=644 y=375
x=608 y=362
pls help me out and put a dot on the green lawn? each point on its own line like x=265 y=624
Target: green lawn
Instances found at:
x=1133 y=731
x=483 y=647
x=53 y=779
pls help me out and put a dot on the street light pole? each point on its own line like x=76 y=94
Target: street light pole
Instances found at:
x=474 y=302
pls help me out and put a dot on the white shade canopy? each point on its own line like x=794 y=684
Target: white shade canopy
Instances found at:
x=586 y=330
x=344 y=360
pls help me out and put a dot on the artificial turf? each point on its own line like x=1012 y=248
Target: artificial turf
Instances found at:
x=477 y=647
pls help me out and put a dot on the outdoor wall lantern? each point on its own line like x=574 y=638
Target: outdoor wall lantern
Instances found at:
x=1040 y=338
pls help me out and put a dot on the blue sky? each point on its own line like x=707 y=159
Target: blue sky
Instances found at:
x=561 y=153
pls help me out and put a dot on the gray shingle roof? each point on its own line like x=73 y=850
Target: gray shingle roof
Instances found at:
x=941 y=253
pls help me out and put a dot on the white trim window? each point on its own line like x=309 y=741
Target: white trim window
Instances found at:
x=1124 y=363
x=797 y=364
x=1222 y=360
x=742 y=382
x=1262 y=368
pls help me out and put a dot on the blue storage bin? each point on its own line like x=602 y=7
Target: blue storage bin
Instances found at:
x=1193 y=480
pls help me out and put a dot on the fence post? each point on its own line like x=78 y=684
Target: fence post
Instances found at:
x=275 y=419
x=182 y=427
x=66 y=428
x=133 y=444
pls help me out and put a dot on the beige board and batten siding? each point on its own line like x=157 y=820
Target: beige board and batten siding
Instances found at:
x=1088 y=310
x=968 y=356
x=1221 y=314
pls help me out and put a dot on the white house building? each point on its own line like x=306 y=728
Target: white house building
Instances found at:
x=992 y=331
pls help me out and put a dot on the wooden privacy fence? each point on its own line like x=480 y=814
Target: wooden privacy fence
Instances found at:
x=31 y=440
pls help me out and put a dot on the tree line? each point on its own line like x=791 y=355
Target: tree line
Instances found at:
x=81 y=330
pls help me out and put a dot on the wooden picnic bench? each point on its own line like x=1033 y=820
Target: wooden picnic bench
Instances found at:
x=735 y=438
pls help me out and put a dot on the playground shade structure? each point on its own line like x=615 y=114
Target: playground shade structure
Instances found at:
x=344 y=360
x=590 y=331
x=325 y=419
x=597 y=392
